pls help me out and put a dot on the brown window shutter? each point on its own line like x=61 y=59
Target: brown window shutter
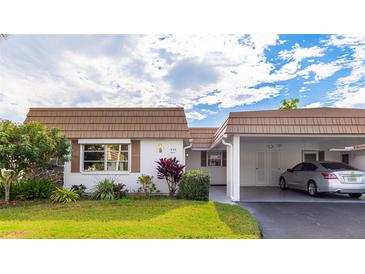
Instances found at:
x=224 y=158
x=136 y=156
x=75 y=156
x=203 y=155
x=321 y=156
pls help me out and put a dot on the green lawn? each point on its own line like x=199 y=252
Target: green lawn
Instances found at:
x=128 y=219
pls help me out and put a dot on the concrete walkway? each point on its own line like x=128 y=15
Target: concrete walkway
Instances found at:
x=218 y=194
x=274 y=194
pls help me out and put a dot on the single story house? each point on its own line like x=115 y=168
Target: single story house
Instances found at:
x=251 y=148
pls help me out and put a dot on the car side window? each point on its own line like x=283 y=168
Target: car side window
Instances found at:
x=308 y=167
x=298 y=167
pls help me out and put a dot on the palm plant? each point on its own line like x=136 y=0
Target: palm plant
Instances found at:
x=63 y=195
x=104 y=190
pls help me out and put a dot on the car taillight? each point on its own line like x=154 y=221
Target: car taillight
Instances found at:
x=328 y=175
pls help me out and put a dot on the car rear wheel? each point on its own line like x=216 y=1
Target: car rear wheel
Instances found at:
x=312 y=188
x=282 y=184
x=355 y=195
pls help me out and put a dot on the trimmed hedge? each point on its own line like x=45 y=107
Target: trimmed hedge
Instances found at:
x=194 y=185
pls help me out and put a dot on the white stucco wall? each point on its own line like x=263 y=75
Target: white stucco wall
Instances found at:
x=290 y=154
x=217 y=173
x=149 y=154
x=357 y=159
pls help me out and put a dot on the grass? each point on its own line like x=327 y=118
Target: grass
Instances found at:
x=158 y=218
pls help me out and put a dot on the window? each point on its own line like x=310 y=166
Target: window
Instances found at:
x=337 y=166
x=308 y=167
x=203 y=158
x=114 y=157
x=345 y=158
x=309 y=156
x=215 y=158
x=298 y=167
x=224 y=158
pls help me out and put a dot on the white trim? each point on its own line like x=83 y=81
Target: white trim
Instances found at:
x=347 y=149
x=284 y=135
x=303 y=135
x=104 y=141
x=304 y=152
x=100 y=172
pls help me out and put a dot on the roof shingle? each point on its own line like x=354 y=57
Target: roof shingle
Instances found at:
x=114 y=122
x=202 y=137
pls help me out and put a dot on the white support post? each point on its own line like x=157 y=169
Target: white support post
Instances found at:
x=235 y=180
x=229 y=169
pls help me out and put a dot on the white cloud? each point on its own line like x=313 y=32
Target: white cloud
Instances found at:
x=347 y=98
x=303 y=89
x=350 y=92
x=208 y=111
x=244 y=96
x=298 y=53
x=195 y=115
x=295 y=56
x=143 y=71
x=314 y=105
x=321 y=70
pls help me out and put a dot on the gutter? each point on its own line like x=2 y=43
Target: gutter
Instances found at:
x=231 y=162
x=185 y=148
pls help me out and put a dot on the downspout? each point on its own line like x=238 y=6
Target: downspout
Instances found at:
x=231 y=162
x=185 y=148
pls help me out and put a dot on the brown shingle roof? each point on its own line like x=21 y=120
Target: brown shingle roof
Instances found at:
x=114 y=122
x=310 y=121
x=202 y=137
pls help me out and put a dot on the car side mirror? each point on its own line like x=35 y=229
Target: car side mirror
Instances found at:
x=290 y=170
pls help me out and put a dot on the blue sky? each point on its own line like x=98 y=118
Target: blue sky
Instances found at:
x=209 y=75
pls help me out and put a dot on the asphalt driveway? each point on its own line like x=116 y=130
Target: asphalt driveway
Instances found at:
x=305 y=220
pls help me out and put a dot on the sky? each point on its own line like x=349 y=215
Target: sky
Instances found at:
x=208 y=75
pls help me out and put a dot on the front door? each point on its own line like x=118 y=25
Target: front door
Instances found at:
x=268 y=168
x=261 y=168
x=274 y=167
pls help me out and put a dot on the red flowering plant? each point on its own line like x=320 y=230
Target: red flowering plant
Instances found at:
x=171 y=170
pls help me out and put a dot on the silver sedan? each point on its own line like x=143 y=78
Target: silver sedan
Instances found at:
x=316 y=177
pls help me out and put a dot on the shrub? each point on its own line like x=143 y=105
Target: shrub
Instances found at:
x=104 y=190
x=80 y=189
x=147 y=185
x=63 y=195
x=194 y=185
x=120 y=190
x=171 y=170
x=31 y=189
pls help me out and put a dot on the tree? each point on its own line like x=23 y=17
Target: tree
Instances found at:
x=289 y=104
x=171 y=170
x=24 y=147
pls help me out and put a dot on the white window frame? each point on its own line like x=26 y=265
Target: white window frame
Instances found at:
x=105 y=172
x=310 y=152
x=215 y=151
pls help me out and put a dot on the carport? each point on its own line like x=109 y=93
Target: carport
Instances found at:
x=261 y=145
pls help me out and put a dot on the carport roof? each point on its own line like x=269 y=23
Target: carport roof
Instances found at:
x=310 y=121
